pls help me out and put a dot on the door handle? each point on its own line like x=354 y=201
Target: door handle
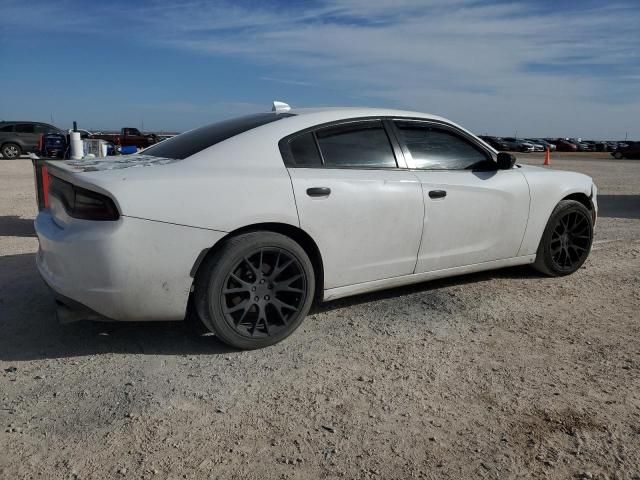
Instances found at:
x=437 y=194
x=319 y=191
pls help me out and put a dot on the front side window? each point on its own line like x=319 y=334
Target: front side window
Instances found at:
x=24 y=128
x=7 y=128
x=436 y=148
x=356 y=145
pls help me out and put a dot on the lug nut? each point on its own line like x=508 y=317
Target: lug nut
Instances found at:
x=266 y=297
x=253 y=289
x=262 y=281
x=257 y=299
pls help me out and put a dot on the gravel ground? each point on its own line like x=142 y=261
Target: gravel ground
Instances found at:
x=504 y=374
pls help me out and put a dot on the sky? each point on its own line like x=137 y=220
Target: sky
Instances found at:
x=531 y=68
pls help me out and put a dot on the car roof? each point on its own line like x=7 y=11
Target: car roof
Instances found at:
x=348 y=112
x=302 y=118
x=25 y=121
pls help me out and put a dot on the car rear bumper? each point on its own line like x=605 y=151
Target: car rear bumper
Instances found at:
x=130 y=269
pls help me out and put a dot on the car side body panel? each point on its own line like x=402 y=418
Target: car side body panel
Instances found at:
x=129 y=269
x=482 y=217
x=173 y=210
x=368 y=227
x=548 y=188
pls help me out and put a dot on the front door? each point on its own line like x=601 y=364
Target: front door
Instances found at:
x=474 y=213
x=364 y=211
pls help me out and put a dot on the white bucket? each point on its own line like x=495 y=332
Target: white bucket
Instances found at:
x=77 y=148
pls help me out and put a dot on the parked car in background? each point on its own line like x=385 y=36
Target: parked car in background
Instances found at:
x=537 y=146
x=250 y=220
x=582 y=145
x=629 y=150
x=129 y=137
x=17 y=138
x=563 y=145
x=543 y=143
x=496 y=142
x=602 y=146
x=516 y=145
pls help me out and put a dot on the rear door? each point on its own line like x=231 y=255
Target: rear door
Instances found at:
x=357 y=201
x=27 y=136
x=474 y=213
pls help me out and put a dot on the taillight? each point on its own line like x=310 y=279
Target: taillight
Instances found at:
x=81 y=203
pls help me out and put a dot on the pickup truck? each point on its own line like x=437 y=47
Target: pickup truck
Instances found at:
x=129 y=137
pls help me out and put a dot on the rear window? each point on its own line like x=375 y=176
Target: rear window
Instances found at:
x=25 y=128
x=194 y=141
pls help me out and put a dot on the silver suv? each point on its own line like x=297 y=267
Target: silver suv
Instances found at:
x=17 y=138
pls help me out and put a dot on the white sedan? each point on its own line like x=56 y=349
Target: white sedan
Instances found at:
x=248 y=221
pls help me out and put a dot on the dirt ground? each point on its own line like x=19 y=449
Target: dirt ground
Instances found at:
x=505 y=374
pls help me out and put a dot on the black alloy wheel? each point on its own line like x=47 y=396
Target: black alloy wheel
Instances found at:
x=263 y=292
x=566 y=241
x=570 y=240
x=255 y=290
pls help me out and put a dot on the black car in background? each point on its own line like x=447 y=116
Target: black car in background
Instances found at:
x=630 y=150
x=17 y=138
x=495 y=142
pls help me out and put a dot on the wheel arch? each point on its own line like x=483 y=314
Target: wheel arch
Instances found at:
x=295 y=233
x=581 y=198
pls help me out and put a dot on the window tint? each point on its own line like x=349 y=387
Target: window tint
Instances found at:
x=363 y=144
x=194 y=141
x=305 y=151
x=7 y=128
x=24 y=128
x=437 y=148
x=44 y=128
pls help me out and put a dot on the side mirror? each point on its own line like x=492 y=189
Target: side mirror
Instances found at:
x=506 y=161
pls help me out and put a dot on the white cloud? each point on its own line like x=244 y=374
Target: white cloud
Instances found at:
x=493 y=66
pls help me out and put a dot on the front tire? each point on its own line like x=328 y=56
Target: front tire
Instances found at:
x=11 y=151
x=618 y=155
x=255 y=290
x=566 y=241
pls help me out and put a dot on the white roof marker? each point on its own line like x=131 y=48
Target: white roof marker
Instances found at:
x=280 y=107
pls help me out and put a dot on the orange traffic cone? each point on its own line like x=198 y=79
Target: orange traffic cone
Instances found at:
x=547 y=156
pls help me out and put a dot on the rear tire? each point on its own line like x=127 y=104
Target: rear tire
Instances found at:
x=255 y=290
x=11 y=151
x=566 y=241
x=618 y=156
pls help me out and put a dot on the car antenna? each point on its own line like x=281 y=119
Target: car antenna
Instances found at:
x=280 y=107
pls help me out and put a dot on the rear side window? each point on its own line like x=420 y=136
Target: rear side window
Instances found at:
x=356 y=145
x=305 y=151
x=435 y=148
x=6 y=128
x=25 y=128
x=194 y=141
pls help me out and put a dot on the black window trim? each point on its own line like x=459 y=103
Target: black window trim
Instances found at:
x=404 y=159
x=289 y=161
x=490 y=156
